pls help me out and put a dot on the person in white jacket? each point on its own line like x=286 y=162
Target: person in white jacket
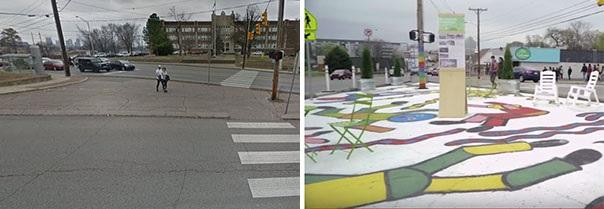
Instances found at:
x=158 y=77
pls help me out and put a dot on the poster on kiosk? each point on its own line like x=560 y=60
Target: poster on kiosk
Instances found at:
x=452 y=75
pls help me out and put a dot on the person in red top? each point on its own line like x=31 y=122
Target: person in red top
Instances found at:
x=493 y=72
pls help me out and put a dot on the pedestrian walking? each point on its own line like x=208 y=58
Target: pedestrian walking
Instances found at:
x=544 y=69
x=158 y=77
x=589 y=69
x=493 y=71
x=164 y=78
x=584 y=70
x=500 y=66
x=570 y=70
x=561 y=72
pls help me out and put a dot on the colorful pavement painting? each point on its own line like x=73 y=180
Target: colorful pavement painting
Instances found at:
x=505 y=153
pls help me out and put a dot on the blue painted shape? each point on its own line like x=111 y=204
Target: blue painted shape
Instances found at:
x=544 y=55
x=411 y=117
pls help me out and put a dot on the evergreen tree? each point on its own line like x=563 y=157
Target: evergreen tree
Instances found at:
x=397 y=67
x=338 y=58
x=507 y=65
x=367 y=68
x=156 y=37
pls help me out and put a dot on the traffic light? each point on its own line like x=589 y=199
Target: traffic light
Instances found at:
x=258 y=31
x=264 y=19
x=600 y=2
x=250 y=36
x=413 y=35
x=276 y=54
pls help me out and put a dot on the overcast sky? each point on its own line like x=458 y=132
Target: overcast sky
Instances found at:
x=118 y=9
x=391 y=20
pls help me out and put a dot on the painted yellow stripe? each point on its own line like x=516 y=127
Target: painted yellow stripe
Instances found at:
x=467 y=184
x=346 y=192
x=497 y=148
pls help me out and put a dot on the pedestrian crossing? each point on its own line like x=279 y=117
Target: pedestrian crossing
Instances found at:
x=242 y=79
x=271 y=187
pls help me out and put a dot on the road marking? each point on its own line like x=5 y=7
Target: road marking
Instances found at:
x=242 y=79
x=275 y=187
x=269 y=157
x=259 y=125
x=271 y=138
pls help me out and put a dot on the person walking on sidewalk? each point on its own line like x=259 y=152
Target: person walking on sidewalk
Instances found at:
x=589 y=69
x=157 y=77
x=493 y=71
x=164 y=77
x=570 y=70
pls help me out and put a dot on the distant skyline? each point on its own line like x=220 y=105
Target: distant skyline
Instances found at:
x=122 y=11
x=392 y=20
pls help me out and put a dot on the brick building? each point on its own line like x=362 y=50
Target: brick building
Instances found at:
x=196 y=36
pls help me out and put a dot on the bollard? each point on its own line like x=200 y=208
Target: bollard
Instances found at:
x=38 y=69
x=354 y=79
x=327 y=78
x=386 y=80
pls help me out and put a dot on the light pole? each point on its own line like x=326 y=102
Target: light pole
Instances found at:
x=89 y=35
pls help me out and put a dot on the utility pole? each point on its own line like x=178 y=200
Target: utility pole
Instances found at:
x=247 y=38
x=61 y=41
x=478 y=11
x=280 y=48
x=33 y=42
x=421 y=56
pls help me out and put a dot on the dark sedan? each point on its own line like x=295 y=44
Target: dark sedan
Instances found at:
x=53 y=65
x=341 y=74
x=121 y=65
x=526 y=73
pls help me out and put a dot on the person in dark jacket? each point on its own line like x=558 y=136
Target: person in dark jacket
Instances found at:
x=570 y=70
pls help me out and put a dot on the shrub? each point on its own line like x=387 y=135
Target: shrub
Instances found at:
x=507 y=65
x=397 y=67
x=338 y=58
x=367 y=68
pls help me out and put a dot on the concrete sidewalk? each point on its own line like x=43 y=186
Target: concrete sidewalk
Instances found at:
x=137 y=98
x=227 y=66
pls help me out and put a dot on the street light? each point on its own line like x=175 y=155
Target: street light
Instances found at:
x=89 y=36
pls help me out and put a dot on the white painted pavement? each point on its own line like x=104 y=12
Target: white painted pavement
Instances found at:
x=259 y=125
x=266 y=138
x=242 y=79
x=269 y=187
x=275 y=187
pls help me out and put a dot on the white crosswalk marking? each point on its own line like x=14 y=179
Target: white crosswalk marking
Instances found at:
x=243 y=79
x=275 y=187
x=258 y=125
x=269 y=187
x=269 y=157
x=265 y=138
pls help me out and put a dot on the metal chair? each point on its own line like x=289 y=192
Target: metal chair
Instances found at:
x=344 y=128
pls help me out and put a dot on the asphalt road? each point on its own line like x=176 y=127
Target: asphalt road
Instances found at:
x=217 y=75
x=124 y=162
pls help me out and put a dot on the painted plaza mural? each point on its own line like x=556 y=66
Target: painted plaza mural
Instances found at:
x=493 y=157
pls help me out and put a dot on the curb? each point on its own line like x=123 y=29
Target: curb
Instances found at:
x=229 y=68
x=217 y=115
x=60 y=84
x=290 y=117
x=183 y=81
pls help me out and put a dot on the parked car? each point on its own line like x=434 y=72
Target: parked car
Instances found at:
x=121 y=65
x=433 y=72
x=53 y=65
x=4 y=65
x=257 y=53
x=526 y=73
x=91 y=63
x=341 y=74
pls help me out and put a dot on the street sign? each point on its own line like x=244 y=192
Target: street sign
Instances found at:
x=310 y=26
x=368 y=32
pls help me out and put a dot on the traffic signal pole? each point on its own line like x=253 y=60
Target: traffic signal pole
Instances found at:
x=477 y=11
x=421 y=55
x=61 y=40
x=280 y=48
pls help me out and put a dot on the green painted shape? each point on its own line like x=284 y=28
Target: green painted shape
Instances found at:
x=311 y=179
x=404 y=182
x=443 y=161
x=528 y=176
x=333 y=113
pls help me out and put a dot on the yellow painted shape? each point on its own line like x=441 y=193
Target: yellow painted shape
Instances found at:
x=466 y=184
x=346 y=192
x=497 y=148
x=372 y=116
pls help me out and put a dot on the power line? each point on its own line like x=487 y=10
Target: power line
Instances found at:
x=553 y=19
x=27 y=9
x=435 y=6
x=448 y=6
x=65 y=6
x=565 y=21
x=98 y=7
x=541 y=18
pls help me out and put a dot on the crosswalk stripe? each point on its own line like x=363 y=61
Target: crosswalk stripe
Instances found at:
x=261 y=138
x=258 y=125
x=269 y=157
x=275 y=187
x=243 y=78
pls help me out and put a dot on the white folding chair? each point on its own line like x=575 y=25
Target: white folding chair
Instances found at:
x=578 y=92
x=546 y=89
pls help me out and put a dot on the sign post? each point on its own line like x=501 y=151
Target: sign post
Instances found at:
x=452 y=75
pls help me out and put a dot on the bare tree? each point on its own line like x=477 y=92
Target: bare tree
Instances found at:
x=180 y=17
x=535 y=41
x=126 y=35
x=245 y=24
x=554 y=37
